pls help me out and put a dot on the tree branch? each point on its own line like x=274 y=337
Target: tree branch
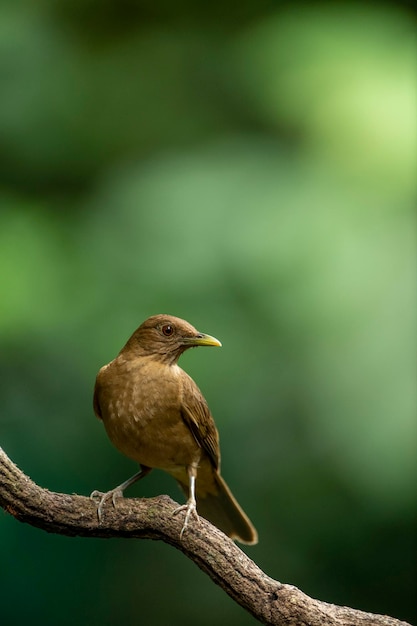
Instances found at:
x=268 y=600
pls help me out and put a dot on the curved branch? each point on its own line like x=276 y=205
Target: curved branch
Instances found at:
x=269 y=601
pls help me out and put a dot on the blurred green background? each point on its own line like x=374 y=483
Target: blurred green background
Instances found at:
x=250 y=168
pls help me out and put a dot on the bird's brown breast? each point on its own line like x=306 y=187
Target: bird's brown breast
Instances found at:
x=139 y=401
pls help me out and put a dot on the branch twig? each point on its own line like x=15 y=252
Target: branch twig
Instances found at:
x=269 y=601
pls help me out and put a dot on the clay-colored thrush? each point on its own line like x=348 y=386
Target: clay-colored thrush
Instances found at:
x=155 y=414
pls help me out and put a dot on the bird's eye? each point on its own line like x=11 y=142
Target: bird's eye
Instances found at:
x=168 y=330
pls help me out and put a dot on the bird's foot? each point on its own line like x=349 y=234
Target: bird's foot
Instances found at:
x=190 y=510
x=103 y=497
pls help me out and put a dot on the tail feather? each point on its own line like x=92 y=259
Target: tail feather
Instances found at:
x=222 y=509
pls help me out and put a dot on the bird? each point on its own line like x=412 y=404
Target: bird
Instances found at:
x=155 y=414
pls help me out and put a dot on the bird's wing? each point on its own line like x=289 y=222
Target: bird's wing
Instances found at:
x=197 y=416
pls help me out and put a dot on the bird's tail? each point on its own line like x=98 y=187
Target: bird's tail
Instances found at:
x=222 y=509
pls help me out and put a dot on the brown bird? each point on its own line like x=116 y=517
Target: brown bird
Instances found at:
x=155 y=414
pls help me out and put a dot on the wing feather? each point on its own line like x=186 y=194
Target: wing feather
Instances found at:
x=197 y=416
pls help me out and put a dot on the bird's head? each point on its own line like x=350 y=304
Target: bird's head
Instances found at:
x=166 y=337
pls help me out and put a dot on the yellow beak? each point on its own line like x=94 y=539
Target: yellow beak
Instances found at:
x=203 y=340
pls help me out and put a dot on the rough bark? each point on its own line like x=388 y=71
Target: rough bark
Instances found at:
x=268 y=600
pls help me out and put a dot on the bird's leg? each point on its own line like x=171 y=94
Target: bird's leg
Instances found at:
x=117 y=492
x=190 y=507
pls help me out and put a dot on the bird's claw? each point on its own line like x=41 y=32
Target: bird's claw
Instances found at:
x=113 y=494
x=191 y=510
